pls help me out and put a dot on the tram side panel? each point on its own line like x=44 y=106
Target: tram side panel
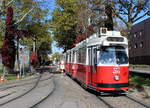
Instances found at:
x=81 y=72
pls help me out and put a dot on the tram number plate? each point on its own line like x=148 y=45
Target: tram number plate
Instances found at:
x=116 y=70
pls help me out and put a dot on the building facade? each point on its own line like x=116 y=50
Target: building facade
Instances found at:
x=139 y=50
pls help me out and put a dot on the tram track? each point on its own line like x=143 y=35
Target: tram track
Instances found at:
x=105 y=102
x=19 y=96
x=46 y=97
x=10 y=83
x=18 y=85
x=109 y=104
x=40 y=83
x=137 y=101
x=21 y=84
x=7 y=94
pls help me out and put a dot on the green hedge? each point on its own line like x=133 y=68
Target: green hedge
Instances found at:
x=140 y=80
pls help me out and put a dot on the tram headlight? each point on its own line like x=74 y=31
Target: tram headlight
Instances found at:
x=117 y=77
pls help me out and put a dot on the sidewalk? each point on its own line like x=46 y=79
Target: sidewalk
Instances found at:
x=140 y=70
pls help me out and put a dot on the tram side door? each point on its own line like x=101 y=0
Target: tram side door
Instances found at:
x=92 y=62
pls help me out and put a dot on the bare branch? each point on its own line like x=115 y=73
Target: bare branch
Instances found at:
x=2 y=2
x=9 y=3
x=122 y=19
x=134 y=8
x=136 y=14
x=140 y=17
x=24 y=16
x=122 y=4
x=125 y=12
x=122 y=13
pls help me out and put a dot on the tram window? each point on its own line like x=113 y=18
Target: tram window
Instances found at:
x=71 y=60
x=107 y=56
x=66 y=58
x=70 y=57
x=113 y=55
x=73 y=56
x=117 y=39
x=121 y=57
x=82 y=55
x=95 y=56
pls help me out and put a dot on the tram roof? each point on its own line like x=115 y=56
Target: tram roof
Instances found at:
x=101 y=39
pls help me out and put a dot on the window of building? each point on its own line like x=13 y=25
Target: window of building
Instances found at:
x=130 y=47
x=135 y=35
x=141 y=33
x=135 y=46
x=141 y=45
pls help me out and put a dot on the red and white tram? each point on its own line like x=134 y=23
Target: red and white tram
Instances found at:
x=100 y=62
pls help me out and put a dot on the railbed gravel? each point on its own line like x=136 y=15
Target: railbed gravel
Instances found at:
x=143 y=96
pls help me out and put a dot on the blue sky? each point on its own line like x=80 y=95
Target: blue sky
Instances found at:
x=56 y=49
x=50 y=4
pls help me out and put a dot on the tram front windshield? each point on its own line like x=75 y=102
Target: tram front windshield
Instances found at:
x=113 y=55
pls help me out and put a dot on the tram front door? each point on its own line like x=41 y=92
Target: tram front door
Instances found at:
x=92 y=62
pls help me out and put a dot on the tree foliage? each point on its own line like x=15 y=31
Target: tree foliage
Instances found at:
x=56 y=56
x=64 y=22
x=28 y=16
x=72 y=17
x=31 y=16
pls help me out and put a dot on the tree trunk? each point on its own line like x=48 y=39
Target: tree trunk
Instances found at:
x=109 y=22
x=129 y=36
x=18 y=61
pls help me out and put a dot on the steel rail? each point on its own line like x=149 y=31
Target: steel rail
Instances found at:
x=16 y=82
x=22 y=84
x=42 y=100
x=17 y=97
x=137 y=101
x=106 y=103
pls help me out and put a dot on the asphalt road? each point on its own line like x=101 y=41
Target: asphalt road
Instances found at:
x=68 y=94
x=64 y=93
